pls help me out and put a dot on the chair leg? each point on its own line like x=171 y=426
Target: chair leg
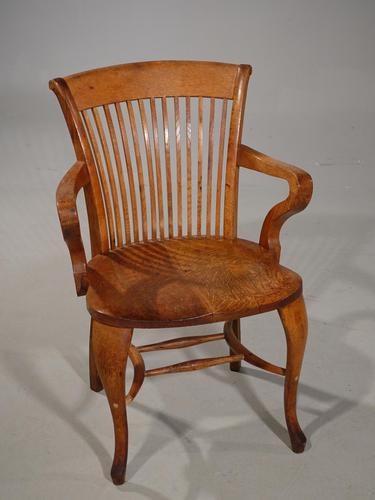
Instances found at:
x=95 y=382
x=235 y=366
x=111 y=347
x=294 y=319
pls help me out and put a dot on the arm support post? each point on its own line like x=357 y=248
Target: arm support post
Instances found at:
x=300 y=192
x=66 y=201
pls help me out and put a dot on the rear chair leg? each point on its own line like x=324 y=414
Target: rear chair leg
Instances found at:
x=235 y=366
x=294 y=319
x=110 y=350
x=95 y=382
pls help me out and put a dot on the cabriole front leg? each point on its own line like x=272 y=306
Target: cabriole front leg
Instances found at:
x=110 y=348
x=294 y=319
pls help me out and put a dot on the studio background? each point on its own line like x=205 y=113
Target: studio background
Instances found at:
x=212 y=434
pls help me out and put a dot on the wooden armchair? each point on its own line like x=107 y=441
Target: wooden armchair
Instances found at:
x=158 y=147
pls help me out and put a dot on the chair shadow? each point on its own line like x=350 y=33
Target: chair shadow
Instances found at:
x=37 y=384
x=25 y=373
x=197 y=461
x=340 y=405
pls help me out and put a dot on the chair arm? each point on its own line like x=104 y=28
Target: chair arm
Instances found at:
x=300 y=192
x=66 y=197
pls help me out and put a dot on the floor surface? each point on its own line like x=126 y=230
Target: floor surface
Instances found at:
x=205 y=435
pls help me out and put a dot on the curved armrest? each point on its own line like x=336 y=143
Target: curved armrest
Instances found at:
x=300 y=192
x=66 y=196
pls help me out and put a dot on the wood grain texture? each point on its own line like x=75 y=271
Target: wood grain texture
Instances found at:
x=66 y=198
x=300 y=192
x=235 y=366
x=139 y=373
x=220 y=168
x=294 y=319
x=231 y=336
x=227 y=83
x=152 y=79
x=146 y=137
x=93 y=198
x=235 y=133
x=178 y=164
x=120 y=176
x=181 y=342
x=186 y=282
x=192 y=365
x=209 y=166
x=95 y=382
x=114 y=201
x=199 y=170
x=138 y=161
x=129 y=170
x=157 y=167
x=167 y=153
x=188 y=167
x=111 y=348
x=102 y=176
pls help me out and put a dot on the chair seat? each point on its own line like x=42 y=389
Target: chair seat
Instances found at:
x=182 y=282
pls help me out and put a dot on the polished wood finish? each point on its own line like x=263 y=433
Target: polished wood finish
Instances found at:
x=235 y=344
x=235 y=366
x=184 y=282
x=95 y=382
x=126 y=82
x=300 y=192
x=193 y=364
x=220 y=168
x=158 y=147
x=294 y=319
x=73 y=181
x=120 y=178
x=111 y=348
x=181 y=342
x=139 y=373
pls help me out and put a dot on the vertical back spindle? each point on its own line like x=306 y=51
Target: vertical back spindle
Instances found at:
x=111 y=177
x=102 y=177
x=129 y=168
x=168 y=166
x=178 y=164
x=188 y=166
x=209 y=166
x=157 y=167
x=220 y=168
x=146 y=137
x=120 y=172
x=200 y=160
x=138 y=160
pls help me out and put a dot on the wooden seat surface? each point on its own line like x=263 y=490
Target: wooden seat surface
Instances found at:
x=180 y=282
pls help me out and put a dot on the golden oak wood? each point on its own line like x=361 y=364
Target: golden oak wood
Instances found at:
x=74 y=180
x=111 y=347
x=181 y=342
x=233 y=340
x=294 y=319
x=139 y=373
x=158 y=147
x=193 y=364
x=126 y=82
x=300 y=192
x=182 y=282
x=235 y=366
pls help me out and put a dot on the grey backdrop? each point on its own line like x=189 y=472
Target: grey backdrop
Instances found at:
x=210 y=435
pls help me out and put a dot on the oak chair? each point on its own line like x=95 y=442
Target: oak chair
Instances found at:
x=158 y=147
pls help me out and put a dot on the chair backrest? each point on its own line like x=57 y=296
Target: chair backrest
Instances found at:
x=160 y=143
